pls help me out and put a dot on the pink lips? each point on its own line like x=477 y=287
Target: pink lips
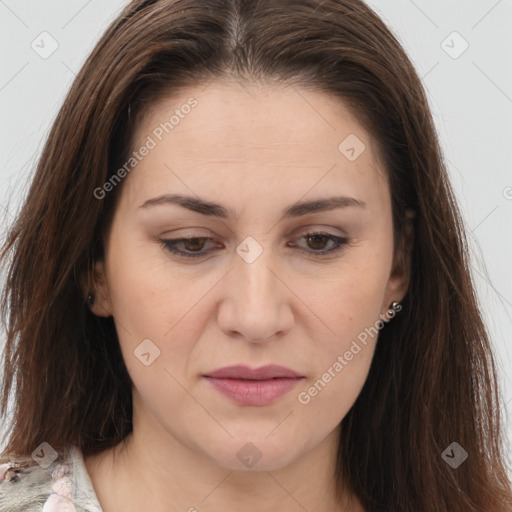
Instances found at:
x=254 y=386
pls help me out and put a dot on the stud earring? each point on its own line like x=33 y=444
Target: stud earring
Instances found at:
x=395 y=308
x=391 y=312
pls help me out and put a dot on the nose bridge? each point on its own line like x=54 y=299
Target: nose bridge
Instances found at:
x=255 y=301
x=255 y=282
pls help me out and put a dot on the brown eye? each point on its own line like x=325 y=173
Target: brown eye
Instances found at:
x=316 y=243
x=193 y=246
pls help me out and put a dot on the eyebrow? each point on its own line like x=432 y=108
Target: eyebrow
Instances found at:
x=217 y=210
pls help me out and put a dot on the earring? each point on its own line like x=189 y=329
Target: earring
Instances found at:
x=392 y=311
x=395 y=307
x=90 y=300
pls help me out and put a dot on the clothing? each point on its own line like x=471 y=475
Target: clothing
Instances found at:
x=63 y=486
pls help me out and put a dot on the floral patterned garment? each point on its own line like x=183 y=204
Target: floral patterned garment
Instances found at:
x=63 y=486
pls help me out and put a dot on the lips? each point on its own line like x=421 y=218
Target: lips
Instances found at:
x=271 y=371
x=253 y=386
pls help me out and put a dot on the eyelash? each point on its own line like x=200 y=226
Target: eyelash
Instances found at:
x=169 y=245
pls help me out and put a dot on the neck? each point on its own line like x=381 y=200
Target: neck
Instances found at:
x=143 y=472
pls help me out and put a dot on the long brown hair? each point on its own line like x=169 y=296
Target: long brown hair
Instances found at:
x=432 y=381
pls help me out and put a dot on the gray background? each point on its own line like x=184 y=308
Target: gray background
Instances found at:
x=470 y=93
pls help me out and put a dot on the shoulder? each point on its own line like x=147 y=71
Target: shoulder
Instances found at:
x=26 y=486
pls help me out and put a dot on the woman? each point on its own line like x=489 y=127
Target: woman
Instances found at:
x=240 y=279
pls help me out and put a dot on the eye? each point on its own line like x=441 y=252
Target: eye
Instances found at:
x=192 y=246
x=317 y=241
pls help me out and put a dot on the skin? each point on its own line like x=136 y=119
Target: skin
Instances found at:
x=254 y=149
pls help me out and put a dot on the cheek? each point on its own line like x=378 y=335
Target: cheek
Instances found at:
x=349 y=299
x=136 y=295
x=146 y=290
x=154 y=300
x=349 y=305
x=342 y=359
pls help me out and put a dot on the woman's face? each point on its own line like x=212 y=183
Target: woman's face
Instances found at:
x=256 y=290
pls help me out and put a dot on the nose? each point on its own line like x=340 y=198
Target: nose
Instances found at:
x=256 y=302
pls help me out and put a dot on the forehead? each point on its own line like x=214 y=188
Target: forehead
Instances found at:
x=249 y=136
x=264 y=117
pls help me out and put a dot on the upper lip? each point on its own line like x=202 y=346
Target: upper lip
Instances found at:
x=270 y=371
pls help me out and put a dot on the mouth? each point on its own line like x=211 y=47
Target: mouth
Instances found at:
x=254 y=386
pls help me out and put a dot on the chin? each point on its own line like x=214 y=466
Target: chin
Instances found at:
x=244 y=454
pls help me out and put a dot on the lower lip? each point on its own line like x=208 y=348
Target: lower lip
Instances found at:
x=254 y=392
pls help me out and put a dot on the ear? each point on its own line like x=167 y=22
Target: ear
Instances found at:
x=100 y=304
x=400 y=276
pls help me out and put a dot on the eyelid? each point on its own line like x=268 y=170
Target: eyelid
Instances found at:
x=340 y=241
